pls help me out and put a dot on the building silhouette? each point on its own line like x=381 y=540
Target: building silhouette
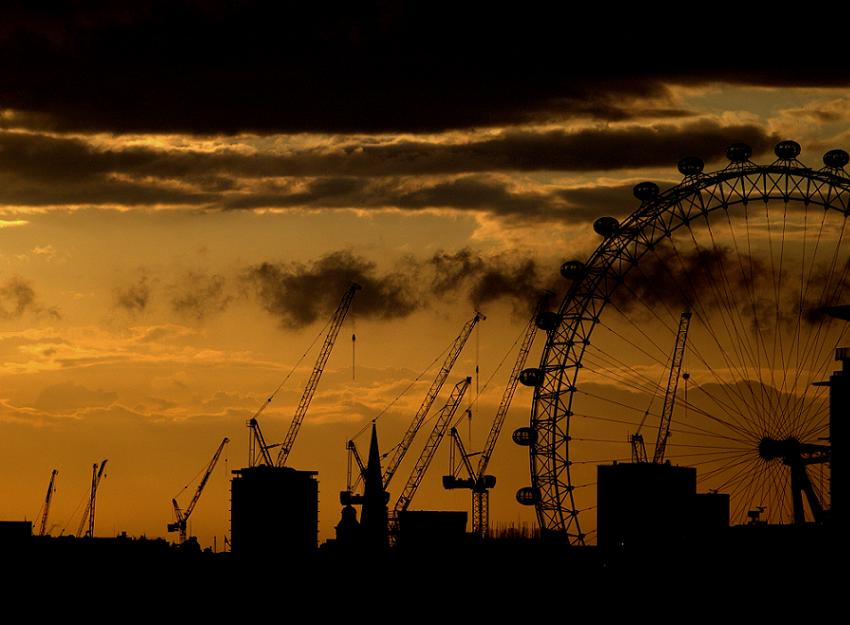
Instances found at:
x=274 y=512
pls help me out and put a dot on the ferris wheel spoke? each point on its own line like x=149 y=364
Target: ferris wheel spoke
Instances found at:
x=756 y=320
x=685 y=445
x=775 y=278
x=815 y=432
x=734 y=425
x=747 y=270
x=813 y=351
x=704 y=313
x=733 y=468
x=758 y=494
x=740 y=486
x=735 y=451
x=811 y=422
x=739 y=336
x=608 y=362
x=738 y=479
x=636 y=326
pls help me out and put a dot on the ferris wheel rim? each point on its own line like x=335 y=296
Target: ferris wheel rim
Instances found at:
x=659 y=215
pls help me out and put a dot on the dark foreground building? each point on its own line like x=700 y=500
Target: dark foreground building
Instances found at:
x=644 y=505
x=274 y=512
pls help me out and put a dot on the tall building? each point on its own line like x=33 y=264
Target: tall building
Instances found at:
x=274 y=512
x=646 y=505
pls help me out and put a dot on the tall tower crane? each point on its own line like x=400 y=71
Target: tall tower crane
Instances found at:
x=183 y=515
x=51 y=488
x=477 y=480
x=638 y=447
x=315 y=376
x=88 y=514
x=672 y=387
x=436 y=385
x=441 y=425
x=258 y=449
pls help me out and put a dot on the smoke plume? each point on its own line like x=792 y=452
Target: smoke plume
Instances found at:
x=299 y=294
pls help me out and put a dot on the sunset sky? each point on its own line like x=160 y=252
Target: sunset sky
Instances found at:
x=187 y=190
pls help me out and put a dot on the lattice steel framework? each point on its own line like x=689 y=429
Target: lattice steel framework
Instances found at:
x=660 y=214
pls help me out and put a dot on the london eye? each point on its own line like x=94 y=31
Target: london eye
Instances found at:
x=758 y=259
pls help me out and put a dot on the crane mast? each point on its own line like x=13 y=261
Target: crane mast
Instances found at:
x=510 y=389
x=437 y=432
x=51 y=488
x=354 y=457
x=672 y=387
x=88 y=514
x=477 y=480
x=436 y=385
x=258 y=449
x=316 y=375
x=183 y=515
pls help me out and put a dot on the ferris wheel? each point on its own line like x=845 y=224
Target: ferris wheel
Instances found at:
x=756 y=257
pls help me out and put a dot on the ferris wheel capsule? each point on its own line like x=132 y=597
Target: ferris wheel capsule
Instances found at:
x=527 y=496
x=836 y=159
x=547 y=320
x=691 y=166
x=606 y=226
x=572 y=269
x=646 y=191
x=524 y=436
x=531 y=377
x=739 y=152
x=787 y=150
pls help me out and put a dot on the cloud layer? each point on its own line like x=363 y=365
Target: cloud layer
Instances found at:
x=454 y=173
x=298 y=294
x=216 y=67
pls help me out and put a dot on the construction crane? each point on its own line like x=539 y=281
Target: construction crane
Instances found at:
x=183 y=515
x=436 y=385
x=316 y=375
x=639 y=453
x=51 y=488
x=441 y=425
x=354 y=457
x=479 y=483
x=88 y=514
x=258 y=449
x=477 y=480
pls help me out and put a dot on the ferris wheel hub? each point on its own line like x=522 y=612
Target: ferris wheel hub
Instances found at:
x=773 y=449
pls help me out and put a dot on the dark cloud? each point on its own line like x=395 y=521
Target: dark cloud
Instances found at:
x=17 y=298
x=484 y=280
x=47 y=170
x=133 y=298
x=707 y=277
x=198 y=295
x=300 y=294
x=39 y=170
x=42 y=158
x=588 y=203
x=591 y=149
x=212 y=66
x=830 y=286
x=716 y=278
